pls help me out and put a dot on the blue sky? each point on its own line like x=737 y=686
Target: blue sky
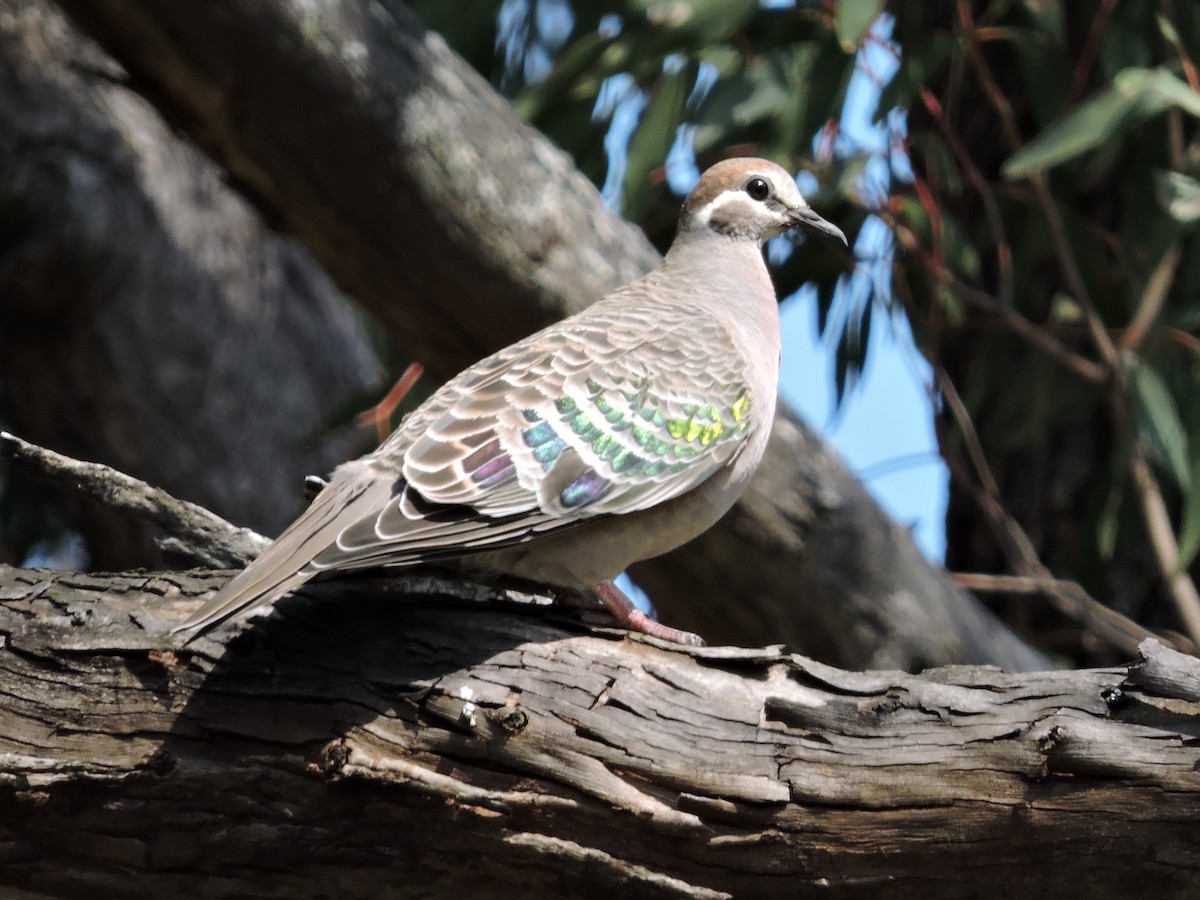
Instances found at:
x=884 y=428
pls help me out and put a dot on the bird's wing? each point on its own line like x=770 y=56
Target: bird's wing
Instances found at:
x=608 y=413
x=605 y=414
x=614 y=414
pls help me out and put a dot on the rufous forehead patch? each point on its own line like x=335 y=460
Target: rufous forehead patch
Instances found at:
x=732 y=174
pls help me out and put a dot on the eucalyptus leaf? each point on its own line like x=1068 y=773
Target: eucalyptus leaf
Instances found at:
x=697 y=23
x=1109 y=524
x=1049 y=16
x=1179 y=195
x=1100 y=119
x=852 y=20
x=1159 y=423
x=1136 y=95
x=653 y=138
x=1159 y=89
x=1189 y=528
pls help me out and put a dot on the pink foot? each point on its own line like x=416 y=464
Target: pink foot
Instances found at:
x=634 y=619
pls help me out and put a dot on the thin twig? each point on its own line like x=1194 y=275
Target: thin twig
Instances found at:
x=1121 y=631
x=1087 y=56
x=1189 y=66
x=935 y=260
x=974 y=446
x=1153 y=299
x=1067 y=597
x=1166 y=548
x=1070 y=266
x=1004 y=258
x=1037 y=336
x=380 y=415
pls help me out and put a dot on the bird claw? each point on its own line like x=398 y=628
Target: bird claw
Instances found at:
x=634 y=619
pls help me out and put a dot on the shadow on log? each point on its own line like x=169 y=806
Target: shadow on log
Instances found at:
x=418 y=744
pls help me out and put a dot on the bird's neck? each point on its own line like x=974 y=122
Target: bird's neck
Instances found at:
x=729 y=276
x=729 y=273
x=725 y=259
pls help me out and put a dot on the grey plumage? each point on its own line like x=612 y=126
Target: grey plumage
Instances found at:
x=607 y=438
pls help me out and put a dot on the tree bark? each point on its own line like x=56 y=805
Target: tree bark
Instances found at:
x=148 y=317
x=423 y=746
x=462 y=229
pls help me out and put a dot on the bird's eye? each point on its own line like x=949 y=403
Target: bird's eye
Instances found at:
x=758 y=189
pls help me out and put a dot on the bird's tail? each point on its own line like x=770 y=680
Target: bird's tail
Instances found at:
x=283 y=566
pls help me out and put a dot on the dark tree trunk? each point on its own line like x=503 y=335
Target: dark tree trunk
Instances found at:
x=148 y=318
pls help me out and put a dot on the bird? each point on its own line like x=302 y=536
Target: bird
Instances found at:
x=609 y=437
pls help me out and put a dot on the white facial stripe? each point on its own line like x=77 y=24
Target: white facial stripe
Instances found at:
x=784 y=188
x=787 y=192
x=704 y=214
x=790 y=195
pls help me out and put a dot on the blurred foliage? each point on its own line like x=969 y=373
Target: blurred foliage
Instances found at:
x=1046 y=261
x=1051 y=138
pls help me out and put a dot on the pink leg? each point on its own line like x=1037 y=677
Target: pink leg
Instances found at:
x=634 y=619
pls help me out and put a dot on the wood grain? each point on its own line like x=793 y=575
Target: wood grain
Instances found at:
x=411 y=744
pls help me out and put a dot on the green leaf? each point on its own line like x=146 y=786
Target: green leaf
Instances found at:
x=1169 y=32
x=1109 y=525
x=1136 y=95
x=1159 y=89
x=1048 y=14
x=653 y=139
x=919 y=66
x=1189 y=528
x=1094 y=122
x=806 y=72
x=1179 y=195
x=753 y=94
x=572 y=67
x=1159 y=423
x=853 y=19
x=695 y=23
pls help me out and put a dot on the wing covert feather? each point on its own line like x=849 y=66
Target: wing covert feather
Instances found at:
x=613 y=415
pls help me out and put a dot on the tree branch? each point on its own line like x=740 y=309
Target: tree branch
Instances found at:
x=150 y=319
x=359 y=745
x=192 y=531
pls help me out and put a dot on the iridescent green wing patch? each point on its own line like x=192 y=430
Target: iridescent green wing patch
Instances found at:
x=635 y=436
x=625 y=409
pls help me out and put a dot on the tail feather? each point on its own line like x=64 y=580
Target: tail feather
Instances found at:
x=283 y=566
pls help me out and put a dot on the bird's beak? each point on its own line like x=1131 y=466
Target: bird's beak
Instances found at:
x=805 y=217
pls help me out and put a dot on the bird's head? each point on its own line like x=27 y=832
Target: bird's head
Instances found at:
x=752 y=199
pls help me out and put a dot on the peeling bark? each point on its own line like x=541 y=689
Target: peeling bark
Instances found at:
x=409 y=744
